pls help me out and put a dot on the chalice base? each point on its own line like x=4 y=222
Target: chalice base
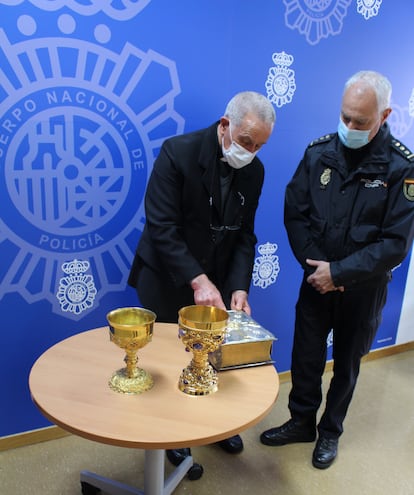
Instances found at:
x=122 y=383
x=195 y=381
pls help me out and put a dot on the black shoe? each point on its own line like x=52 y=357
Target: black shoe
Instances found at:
x=325 y=452
x=232 y=445
x=176 y=456
x=290 y=432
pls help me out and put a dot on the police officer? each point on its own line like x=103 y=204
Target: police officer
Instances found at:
x=349 y=215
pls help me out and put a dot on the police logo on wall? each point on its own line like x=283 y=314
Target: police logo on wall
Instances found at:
x=80 y=126
x=400 y=120
x=411 y=104
x=266 y=266
x=280 y=83
x=368 y=8
x=329 y=339
x=77 y=290
x=316 y=19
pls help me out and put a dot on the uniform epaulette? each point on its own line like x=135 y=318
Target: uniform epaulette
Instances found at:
x=322 y=139
x=402 y=150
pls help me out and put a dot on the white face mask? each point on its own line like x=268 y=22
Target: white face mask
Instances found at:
x=236 y=156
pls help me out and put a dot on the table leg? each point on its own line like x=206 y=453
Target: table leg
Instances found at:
x=154 y=483
x=154 y=473
x=106 y=485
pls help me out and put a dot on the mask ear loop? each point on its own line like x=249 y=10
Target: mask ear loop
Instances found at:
x=231 y=137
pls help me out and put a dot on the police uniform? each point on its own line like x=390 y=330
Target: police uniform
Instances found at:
x=354 y=209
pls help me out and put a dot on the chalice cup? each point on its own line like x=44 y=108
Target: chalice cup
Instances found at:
x=131 y=329
x=202 y=329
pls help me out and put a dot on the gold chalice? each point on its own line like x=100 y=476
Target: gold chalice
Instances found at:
x=130 y=329
x=202 y=330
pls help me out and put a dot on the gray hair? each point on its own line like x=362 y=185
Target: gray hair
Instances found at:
x=377 y=82
x=250 y=102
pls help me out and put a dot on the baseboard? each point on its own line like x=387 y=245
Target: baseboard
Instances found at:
x=31 y=437
x=54 y=432
x=375 y=354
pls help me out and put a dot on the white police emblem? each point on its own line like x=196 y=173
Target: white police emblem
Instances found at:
x=400 y=120
x=266 y=267
x=411 y=104
x=76 y=291
x=329 y=339
x=368 y=8
x=280 y=83
x=316 y=19
x=79 y=132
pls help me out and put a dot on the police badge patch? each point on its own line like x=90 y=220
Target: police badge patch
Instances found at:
x=325 y=177
x=408 y=189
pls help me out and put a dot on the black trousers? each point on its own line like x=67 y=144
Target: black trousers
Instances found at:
x=159 y=294
x=354 y=316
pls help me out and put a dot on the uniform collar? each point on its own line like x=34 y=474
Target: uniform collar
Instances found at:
x=375 y=154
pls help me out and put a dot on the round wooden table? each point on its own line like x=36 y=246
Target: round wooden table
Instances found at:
x=69 y=384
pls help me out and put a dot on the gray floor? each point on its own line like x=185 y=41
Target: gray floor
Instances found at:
x=376 y=451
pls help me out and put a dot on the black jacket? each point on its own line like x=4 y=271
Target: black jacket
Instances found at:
x=183 y=199
x=360 y=218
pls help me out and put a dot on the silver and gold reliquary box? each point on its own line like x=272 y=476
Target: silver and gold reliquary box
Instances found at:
x=246 y=344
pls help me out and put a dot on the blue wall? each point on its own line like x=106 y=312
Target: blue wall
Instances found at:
x=87 y=95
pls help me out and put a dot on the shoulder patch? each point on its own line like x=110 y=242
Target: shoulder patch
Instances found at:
x=322 y=139
x=408 y=189
x=402 y=150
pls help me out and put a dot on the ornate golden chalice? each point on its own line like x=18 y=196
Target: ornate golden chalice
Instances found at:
x=202 y=330
x=130 y=329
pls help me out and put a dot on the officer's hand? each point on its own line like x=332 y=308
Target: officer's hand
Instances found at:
x=206 y=293
x=321 y=279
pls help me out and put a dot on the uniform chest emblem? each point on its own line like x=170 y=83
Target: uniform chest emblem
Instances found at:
x=373 y=184
x=325 y=177
x=408 y=189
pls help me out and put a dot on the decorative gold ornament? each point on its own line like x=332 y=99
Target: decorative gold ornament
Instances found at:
x=131 y=329
x=202 y=330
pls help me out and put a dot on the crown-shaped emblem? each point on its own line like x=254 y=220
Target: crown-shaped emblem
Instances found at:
x=282 y=58
x=75 y=266
x=267 y=249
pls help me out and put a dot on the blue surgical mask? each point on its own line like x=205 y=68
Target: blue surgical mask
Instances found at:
x=352 y=138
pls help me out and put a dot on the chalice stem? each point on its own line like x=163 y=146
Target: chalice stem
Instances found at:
x=200 y=360
x=131 y=360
